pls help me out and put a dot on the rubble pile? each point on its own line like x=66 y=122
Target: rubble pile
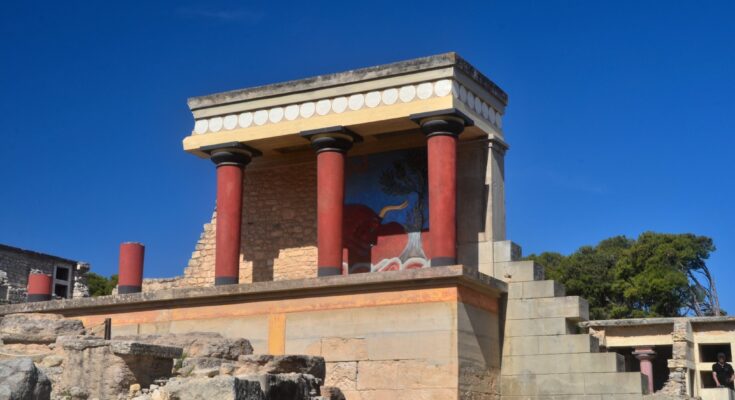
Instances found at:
x=45 y=356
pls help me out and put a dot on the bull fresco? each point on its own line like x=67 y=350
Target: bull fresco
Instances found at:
x=386 y=219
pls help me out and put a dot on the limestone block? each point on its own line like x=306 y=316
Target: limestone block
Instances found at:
x=344 y=349
x=413 y=394
x=270 y=364
x=581 y=343
x=420 y=345
x=506 y=251
x=563 y=363
x=519 y=271
x=21 y=380
x=571 y=307
x=37 y=328
x=198 y=344
x=537 y=327
x=406 y=374
x=616 y=383
x=219 y=387
x=342 y=375
x=542 y=385
x=535 y=289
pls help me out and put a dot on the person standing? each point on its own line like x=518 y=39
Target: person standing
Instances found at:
x=723 y=372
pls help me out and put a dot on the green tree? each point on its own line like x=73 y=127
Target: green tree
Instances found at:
x=656 y=274
x=100 y=285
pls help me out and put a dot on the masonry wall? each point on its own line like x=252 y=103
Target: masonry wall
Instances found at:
x=16 y=264
x=279 y=221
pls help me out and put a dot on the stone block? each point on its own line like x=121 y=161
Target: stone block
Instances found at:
x=198 y=344
x=342 y=375
x=412 y=345
x=519 y=271
x=538 y=327
x=615 y=383
x=21 y=380
x=571 y=307
x=406 y=374
x=566 y=344
x=344 y=349
x=144 y=349
x=506 y=251
x=219 y=387
x=270 y=364
x=535 y=289
x=37 y=328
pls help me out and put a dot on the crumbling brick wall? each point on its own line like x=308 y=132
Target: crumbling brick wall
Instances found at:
x=278 y=229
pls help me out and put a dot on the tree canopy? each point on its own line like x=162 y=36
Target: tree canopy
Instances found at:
x=655 y=275
x=99 y=285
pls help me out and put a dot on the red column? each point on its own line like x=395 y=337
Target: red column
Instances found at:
x=130 y=268
x=331 y=145
x=230 y=159
x=441 y=130
x=39 y=287
x=644 y=356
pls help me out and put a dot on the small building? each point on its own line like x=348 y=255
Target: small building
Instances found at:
x=16 y=264
x=679 y=351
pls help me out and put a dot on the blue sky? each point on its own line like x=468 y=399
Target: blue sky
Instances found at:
x=621 y=115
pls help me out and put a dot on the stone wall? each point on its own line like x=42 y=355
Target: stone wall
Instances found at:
x=17 y=264
x=278 y=229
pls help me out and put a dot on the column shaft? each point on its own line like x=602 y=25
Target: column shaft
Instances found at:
x=330 y=205
x=39 y=287
x=229 y=220
x=442 y=171
x=130 y=268
x=644 y=356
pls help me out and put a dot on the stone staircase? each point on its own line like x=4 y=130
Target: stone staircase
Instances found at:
x=544 y=356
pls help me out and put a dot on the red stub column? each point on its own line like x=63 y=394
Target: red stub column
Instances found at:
x=130 y=268
x=39 y=287
x=230 y=159
x=331 y=145
x=442 y=129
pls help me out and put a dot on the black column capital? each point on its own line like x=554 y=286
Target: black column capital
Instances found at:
x=449 y=122
x=234 y=153
x=333 y=138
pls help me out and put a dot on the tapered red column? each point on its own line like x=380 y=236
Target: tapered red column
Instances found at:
x=39 y=286
x=331 y=145
x=441 y=130
x=130 y=268
x=230 y=159
x=645 y=355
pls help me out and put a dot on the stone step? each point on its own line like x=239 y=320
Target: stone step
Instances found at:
x=544 y=364
x=557 y=344
x=535 y=289
x=610 y=384
x=579 y=397
x=573 y=308
x=519 y=271
x=539 y=327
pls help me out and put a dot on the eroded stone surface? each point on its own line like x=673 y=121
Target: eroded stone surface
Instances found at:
x=21 y=380
x=198 y=344
x=270 y=364
x=37 y=328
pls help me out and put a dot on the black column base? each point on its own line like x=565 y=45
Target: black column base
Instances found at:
x=329 y=271
x=226 y=280
x=38 y=297
x=443 y=261
x=129 y=289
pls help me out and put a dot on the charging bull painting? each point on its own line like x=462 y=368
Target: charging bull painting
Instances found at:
x=386 y=212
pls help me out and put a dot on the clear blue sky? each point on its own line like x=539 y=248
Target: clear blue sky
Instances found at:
x=621 y=115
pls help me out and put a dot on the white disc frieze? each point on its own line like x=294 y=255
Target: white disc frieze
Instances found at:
x=462 y=94
x=372 y=99
x=443 y=87
x=390 y=96
x=424 y=90
x=260 y=117
x=478 y=105
x=485 y=110
x=215 y=124
x=307 y=109
x=275 y=114
x=356 y=102
x=201 y=126
x=407 y=93
x=323 y=107
x=245 y=119
x=230 y=122
x=339 y=104
x=291 y=112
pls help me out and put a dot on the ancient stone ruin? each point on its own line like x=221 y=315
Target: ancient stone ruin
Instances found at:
x=46 y=356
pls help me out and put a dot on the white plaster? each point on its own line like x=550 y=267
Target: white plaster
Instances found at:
x=372 y=99
x=390 y=96
x=245 y=119
x=307 y=109
x=275 y=114
x=443 y=87
x=215 y=124
x=407 y=93
x=470 y=100
x=323 y=107
x=492 y=116
x=260 y=117
x=424 y=90
x=291 y=112
x=356 y=102
x=230 y=122
x=201 y=126
x=499 y=121
x=462 y=94
x=339 y=104
x=485 y=110
x=478 y=105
